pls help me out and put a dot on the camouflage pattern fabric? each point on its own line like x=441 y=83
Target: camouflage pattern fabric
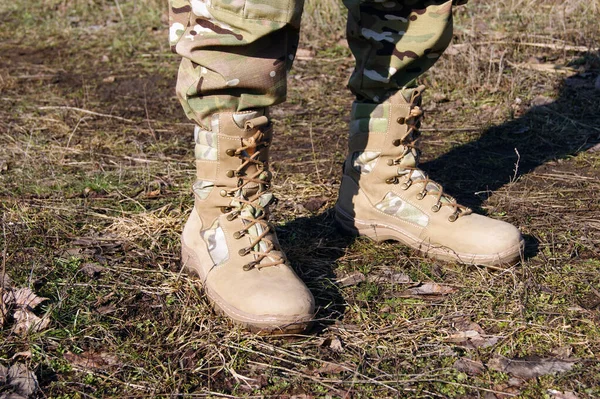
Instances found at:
x=236 y=53
x=206 y=144
x=395 y=206
x=364 y=161
x=202 y=188
x=214 y=237
x=394 y=42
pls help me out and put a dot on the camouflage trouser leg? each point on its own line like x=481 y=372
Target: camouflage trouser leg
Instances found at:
x=236 y=53
x=394 y=42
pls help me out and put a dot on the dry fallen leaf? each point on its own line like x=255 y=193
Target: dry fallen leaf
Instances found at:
x=92 y=360
x=92 y=269
x=315 y=203
x=330 y=368
x=305 y=54
x=427 y=291
x=595 y=148
x=472 y=339
x=562 y=395
x=336 y=345
x=539 y=101
x=5 y=281
x=26 y=321
x=24 y=354
x=302 y=396
x=23 y=381
x=528 y=368
x=471 y=367
x=3 y=310
x=3 y=375
x=389 y=276
x=333 y=343
x=470 y=335
x=153 y=194
x=350 y=279
x=12 y=395
x=108 y=309
x=25 y=298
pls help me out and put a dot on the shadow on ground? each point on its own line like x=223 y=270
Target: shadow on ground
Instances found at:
x=557 y=130
x=313 y=245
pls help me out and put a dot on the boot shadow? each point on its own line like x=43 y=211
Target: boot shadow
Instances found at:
x=545 y=133
x=313 y=245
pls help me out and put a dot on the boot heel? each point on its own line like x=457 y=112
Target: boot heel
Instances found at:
x=345 y=223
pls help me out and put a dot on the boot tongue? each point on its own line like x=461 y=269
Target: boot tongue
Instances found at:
x=402 y=96
x=410 y=160
x=240 y=118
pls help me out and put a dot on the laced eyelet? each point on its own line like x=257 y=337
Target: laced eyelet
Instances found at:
x=396 y=143
x=230 y=173
x=401 y=120
x=390 y=162
x=249 y=266
x=231 y=216
x=436 y=207
x=230 y=152
x=239 y=234
x=421 y=195
x=392 y=180
x=244 y=251
x=223 y=193
x=453 y=217
x=406 y=184
x=225 y=209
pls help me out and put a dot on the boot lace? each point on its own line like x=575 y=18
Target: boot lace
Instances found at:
x=414 y=175
x=257 y=184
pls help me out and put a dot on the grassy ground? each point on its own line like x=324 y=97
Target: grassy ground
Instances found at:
x=95 y=169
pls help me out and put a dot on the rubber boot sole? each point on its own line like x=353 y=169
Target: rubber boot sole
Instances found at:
x=380 y=232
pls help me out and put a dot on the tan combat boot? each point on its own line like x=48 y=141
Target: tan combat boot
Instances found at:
x=385 y=196
x=227 y=241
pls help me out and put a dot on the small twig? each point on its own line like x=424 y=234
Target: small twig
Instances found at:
x=3 y=274
x=551 y=46
x=86 y=111
x=516 y=169
x=119 y=9
x=74 y=130
x=312 y=144
x=148 y=116
x=39 y=76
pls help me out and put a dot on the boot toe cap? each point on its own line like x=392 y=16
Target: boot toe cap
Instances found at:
x=483 y=240
x=267 y=304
